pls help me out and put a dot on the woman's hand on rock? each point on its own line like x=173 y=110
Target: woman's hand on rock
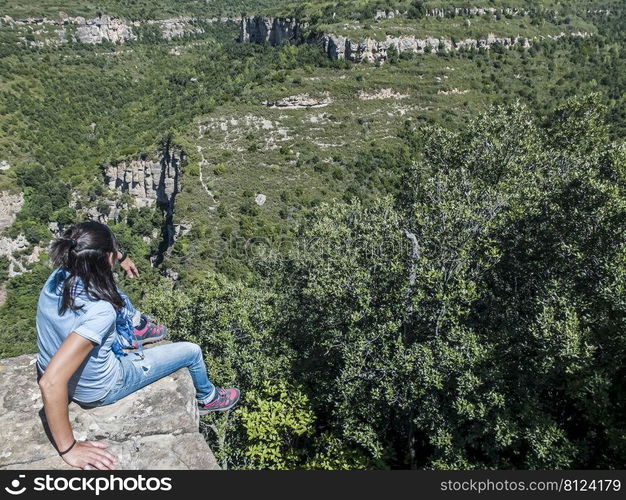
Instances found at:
x=90 y=455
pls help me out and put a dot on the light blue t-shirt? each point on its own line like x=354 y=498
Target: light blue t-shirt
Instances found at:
x=95 y=322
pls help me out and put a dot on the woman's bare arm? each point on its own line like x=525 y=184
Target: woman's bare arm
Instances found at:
x=53 y=385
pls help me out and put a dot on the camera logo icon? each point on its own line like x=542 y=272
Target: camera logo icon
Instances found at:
x=15 y=489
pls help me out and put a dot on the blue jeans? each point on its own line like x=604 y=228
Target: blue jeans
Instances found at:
x=159 y=362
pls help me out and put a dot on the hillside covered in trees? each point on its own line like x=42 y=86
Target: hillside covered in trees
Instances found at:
x=408 y=252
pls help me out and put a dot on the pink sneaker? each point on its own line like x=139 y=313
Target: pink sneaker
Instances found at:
x=224 y=400
x=150 y=332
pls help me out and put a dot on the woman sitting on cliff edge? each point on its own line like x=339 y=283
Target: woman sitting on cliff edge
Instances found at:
x=81 y=319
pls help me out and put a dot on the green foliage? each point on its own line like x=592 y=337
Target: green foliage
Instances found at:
x=443 y=290
x=456 y=326
x=417 y=10
x=17 y=316
x=231 y=322
x=454 y=348
x=274 y=418
x=4 y=268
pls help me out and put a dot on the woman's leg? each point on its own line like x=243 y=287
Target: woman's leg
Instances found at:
x=159 y=362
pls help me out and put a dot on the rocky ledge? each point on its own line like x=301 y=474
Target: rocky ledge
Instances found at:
x=154 y=428
x=278 y=30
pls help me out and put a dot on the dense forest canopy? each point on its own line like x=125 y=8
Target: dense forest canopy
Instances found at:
x=435 y=275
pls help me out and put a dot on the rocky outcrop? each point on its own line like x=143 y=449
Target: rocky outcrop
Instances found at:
x=476 y=11
x=299 y=101
x=272 y=30
x=10 y=205
x=147 y=182
x=454 y=12
x=387 y=93
x=388 y=14
x=340 y=47
x=275 y=30
x=102 y=29
x=260 y=199
x=10 y=248
x=154 y=428
x=16 y=250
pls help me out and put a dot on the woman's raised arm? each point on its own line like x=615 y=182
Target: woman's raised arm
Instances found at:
x=54 y=390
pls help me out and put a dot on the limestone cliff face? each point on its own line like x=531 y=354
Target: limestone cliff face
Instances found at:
x=149 y=182
x=476 y=11
x=154 y=428
x=101 y=29
x=10 y=205
x=18 y=250
x=276 y=30
x=273 y=30
x=145 y=182
x=456 y=11
x=370 y=50
x=104 y=28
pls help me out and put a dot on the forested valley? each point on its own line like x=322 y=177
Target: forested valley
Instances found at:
x=409 y=258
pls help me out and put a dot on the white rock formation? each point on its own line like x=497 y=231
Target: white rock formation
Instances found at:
x=104 y=29
x=149 y=182
x=273 y=30
x=299 y=101
x=10 y=205
x=260 y=199
x=387 y=93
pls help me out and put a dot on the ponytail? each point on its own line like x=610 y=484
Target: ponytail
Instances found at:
x=83 y=254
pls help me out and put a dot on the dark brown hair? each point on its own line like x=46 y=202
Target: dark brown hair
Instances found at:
x=83 y=252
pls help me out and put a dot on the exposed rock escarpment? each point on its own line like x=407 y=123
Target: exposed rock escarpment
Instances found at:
x=102 y=28
x=272 y=30
x=17 y=250
x=299 y=101
x=154 y=428
x=149 y=182
x=340 y=47
x=178 y=27
x=476 y=11
x=277 y=31
x=453 y=12
x=10 y=205
x=19 y=253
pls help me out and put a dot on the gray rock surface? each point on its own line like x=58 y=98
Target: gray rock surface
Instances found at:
x=273 y=30
x=149 y=181
x=10 y=205
x=370 y=50
x=279 y=30
x=12 y=249
x=154 y=428
x=104 y=28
